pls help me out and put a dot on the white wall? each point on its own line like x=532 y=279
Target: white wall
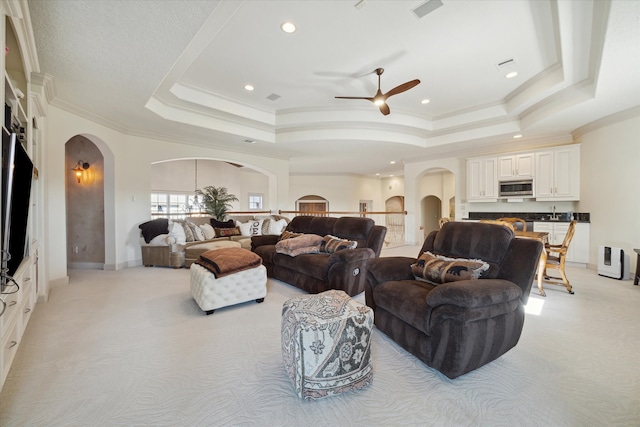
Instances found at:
x=610 y=179
x=127 y=186
x=342 y=191
x=417 y=185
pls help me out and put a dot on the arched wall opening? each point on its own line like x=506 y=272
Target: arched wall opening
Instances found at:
x=436 y=190
x=394 y=222
x=186 y=175
x=310 y=204
x=89 y=201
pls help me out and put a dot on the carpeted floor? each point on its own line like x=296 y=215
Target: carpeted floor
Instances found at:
x=130 y=347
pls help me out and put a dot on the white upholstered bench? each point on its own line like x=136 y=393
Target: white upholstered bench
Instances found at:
x=210 y=292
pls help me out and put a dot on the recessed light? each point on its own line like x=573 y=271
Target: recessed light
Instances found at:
x=288 y=27
x=425 y=101
x=390 y=176
x=517 y=136
x=511 y=75
x=378 y=174
x=393 y=162
x=248 y=87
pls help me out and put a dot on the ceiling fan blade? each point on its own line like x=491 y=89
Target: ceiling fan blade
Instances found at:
x=384 y=109
x=355 y=97
x=403 y=87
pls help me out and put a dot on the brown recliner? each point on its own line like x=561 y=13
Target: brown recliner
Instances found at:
x=459 y=326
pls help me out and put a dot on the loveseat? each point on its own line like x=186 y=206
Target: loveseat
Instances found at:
x=318 y=272
x=165 y=243
x=456 y=316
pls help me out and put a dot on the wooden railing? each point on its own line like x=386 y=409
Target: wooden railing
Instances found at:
x=183 y=215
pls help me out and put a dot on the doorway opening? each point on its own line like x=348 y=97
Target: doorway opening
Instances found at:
x=394 y=221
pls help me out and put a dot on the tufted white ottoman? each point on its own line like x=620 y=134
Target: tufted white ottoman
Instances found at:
x=326 y=344
x=211 y=292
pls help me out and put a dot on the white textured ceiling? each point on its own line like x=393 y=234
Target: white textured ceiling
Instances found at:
x=176 y=70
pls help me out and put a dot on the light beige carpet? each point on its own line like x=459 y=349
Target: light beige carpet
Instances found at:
x=131 y=348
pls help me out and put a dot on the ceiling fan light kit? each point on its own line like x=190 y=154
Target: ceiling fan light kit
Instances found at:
x=380 y=99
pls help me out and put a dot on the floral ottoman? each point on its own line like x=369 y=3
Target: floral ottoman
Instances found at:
x=326 y=344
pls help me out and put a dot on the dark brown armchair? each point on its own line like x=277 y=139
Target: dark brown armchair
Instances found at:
x=458 y=326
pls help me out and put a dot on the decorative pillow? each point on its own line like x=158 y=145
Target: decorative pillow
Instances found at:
x=265 y=226
x=195 y=230
x=208 y=231
x=176 y=230
x=276 y=227
x=331 y=244
x=222 y=224
x=226 y=232
x=153 y=228
x=251 y=228
x=439 y=269
x=289 y=235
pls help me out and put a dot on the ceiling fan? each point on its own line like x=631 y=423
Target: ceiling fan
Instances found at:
x=380 y=99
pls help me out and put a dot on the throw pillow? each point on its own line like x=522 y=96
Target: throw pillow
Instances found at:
x=208 y=231
x=222 y=224
x=439 y=269
x=226 y=232
x=331 y=244
x=188 y=232
x=276 y=227
x=153 y=228
x=176 y=230
x=251 y=228
x=289 y=235
x=265 y=226
x=197 y=233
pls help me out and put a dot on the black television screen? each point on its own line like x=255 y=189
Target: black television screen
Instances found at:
x=17 y=175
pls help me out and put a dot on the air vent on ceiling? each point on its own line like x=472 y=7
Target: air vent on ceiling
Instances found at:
x=273 y=97
x=506 y=64
x=427 y=7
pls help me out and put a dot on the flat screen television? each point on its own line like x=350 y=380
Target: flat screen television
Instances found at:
x=17 y=175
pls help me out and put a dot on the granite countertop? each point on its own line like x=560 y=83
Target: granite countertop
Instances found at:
x=530 y=216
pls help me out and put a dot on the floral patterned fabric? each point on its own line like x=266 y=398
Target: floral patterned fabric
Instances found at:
x=326 y=344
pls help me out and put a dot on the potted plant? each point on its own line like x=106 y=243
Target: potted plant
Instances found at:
x=216 y=201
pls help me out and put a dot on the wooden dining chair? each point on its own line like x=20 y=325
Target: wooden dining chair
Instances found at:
x=556 y=258
x=443 y=220
x=518 y=223
x=495 y=221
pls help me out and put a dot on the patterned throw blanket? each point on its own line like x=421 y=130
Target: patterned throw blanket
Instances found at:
x=226 y=261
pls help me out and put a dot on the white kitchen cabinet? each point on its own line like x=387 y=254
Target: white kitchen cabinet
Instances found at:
x=517 y=166
x=557 y=176
x=578 y=248
x=482 y=182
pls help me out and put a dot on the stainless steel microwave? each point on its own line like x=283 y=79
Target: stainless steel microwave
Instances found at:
x=522 y=188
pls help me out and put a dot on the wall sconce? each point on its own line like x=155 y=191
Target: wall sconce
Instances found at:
x=80 y=167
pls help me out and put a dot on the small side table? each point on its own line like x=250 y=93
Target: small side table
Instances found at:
x=635 y=281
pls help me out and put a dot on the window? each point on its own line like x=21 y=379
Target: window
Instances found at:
x=173 y=205
x=255 y=202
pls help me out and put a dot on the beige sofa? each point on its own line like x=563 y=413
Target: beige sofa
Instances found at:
x=171 y=249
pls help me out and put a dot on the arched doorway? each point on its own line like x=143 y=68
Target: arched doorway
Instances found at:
x=431 y=210
x=394 y=222
x=311 y=204
x=85 y=204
